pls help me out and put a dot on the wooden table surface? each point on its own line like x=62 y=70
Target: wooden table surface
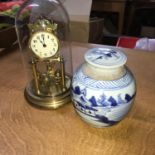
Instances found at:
x=25 y=130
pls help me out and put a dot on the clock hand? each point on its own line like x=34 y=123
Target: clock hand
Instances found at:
x=39 y=40
x=44 y=45
x=43 y=38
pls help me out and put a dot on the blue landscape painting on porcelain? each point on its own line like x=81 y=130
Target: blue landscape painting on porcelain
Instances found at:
x=102 y=103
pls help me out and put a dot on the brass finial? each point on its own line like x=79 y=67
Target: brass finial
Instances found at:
x=43 y=24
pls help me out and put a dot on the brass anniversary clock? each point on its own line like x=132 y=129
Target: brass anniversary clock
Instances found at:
x=50 y=85
x=43 y=34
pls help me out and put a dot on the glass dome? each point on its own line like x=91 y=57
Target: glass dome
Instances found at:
x=42 y=28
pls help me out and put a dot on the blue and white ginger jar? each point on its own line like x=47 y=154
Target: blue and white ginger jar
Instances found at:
x=103 y=88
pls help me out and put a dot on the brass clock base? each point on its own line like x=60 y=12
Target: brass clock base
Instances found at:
x=47 y=102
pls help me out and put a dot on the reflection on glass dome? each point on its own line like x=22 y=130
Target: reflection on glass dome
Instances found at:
x=43 y=34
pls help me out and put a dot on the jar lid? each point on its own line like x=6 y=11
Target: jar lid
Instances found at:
x=105 y=57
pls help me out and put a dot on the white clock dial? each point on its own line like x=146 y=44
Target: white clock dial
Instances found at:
x=44 y=44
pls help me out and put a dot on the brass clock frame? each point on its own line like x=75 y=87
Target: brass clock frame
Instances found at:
x=49 y=89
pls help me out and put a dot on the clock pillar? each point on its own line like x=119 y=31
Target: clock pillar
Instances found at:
x=35 y=75
x=63 y=73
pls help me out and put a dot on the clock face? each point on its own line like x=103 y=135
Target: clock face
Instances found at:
x=44 y=44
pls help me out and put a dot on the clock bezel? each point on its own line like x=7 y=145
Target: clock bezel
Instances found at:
x=43 y=58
